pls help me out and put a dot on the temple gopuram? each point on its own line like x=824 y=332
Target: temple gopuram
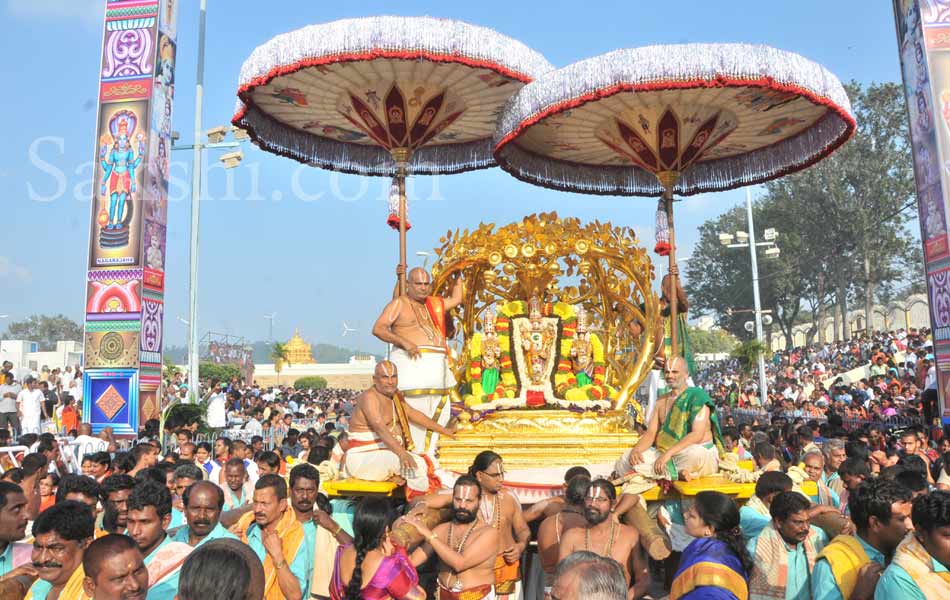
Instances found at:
x=298 y=351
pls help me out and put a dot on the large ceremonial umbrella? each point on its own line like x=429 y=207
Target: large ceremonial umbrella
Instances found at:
x=687 y=118
x=387 y=96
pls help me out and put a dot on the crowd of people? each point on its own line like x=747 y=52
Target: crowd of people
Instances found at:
x=897 y=379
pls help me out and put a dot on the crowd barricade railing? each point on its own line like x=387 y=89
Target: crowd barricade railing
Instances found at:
x=11 y=452
x=69 y=455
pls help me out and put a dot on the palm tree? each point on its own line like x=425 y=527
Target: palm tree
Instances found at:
x=280 y=355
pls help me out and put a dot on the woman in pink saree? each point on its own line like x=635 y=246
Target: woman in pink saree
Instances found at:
x=374 y=559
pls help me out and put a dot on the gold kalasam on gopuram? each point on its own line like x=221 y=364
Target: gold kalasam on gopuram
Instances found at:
x=557 y=324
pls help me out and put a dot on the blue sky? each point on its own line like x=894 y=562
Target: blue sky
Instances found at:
x=269 y=244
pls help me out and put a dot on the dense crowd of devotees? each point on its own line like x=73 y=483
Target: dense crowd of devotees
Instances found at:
x=238 y=520
x=810 y=382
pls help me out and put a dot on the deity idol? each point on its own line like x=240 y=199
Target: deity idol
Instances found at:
x=491 y=352
x=119 y=164
x=537 y=343
x=582 y=351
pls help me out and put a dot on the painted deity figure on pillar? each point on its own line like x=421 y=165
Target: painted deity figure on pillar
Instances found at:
x=119 y=162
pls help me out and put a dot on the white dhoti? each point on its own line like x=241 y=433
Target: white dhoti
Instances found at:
x=426 y=383
x=698 y=461
x=368 y=458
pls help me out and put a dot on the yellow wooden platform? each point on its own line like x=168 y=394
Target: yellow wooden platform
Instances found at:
x=719 y=483
x=361 y=487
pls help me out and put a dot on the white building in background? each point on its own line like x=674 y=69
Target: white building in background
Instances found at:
x=27 y=358
x=912 y=313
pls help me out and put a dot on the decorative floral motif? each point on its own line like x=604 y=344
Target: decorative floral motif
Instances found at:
x=110 y=402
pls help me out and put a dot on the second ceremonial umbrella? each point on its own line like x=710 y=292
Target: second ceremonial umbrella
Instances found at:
x=688 y=119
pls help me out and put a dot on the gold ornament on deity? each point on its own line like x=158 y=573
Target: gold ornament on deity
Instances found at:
x=595 y=266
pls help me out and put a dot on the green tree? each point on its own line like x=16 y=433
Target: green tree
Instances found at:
x=218 y=372
x=46 y=330
x=747 y=353
x=171 y=369
x=716 y=341
x=841 y=223
x=280 y=354
x=313 y=382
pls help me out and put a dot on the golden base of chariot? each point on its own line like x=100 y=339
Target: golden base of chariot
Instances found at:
x=532 y=439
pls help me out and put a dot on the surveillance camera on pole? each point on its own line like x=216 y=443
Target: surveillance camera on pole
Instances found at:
x=742 y=237
x=749 y=326
x=725 y=238
x=766 y=319
x=772 y=252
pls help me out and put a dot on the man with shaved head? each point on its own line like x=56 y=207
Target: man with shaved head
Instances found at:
x=415 y=324
x=379 y=433
x=683 y=438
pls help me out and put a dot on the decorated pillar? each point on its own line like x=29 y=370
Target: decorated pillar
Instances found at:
x=923 y=37
x=126 y=270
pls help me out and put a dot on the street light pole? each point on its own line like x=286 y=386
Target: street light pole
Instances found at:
x=763 y=392
x=195 y=215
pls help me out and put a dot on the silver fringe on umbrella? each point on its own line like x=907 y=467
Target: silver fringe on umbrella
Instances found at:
x=641 y=68
x=453 y=41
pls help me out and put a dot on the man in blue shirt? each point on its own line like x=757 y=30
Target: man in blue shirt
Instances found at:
x=849 y=567
x=785 y=551
x=150 y=507
x=276 y=534
x=185 y=476
x=13 y=520
x=921 y=566
x=754 y=515
x=203 y=503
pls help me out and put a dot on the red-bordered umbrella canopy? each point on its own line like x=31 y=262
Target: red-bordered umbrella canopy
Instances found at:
x=388 y=96
x=687 y=119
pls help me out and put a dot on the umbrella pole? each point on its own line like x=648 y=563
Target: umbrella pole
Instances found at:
x=401 y=181
x=401 y=156
x=668 y=179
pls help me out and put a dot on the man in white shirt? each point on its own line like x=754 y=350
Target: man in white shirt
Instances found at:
x=217 y=407
x=253 y=425
x=30 y=406
x=8 y=395
x=86 y=443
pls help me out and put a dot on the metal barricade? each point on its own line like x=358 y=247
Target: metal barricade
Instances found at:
x=12 y=451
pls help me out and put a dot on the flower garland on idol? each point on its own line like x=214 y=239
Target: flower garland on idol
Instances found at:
x=503 y=393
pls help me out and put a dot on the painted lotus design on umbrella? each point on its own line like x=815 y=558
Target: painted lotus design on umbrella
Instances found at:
x=390 y=96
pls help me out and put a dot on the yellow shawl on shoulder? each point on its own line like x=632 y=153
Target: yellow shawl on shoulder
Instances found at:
x=72 y=590
x=845 y=556
x=290 y=532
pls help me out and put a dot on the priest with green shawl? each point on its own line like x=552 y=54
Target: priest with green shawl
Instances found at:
x=683 y=438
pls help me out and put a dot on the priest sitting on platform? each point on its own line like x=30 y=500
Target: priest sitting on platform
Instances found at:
x=380 y=445
x=682 y=436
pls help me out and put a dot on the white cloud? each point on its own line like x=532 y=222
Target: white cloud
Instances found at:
x=89 y=12
x=9 y=269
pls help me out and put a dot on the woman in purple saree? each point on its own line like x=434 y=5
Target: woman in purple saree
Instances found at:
x=373 y=556
x=716 y=565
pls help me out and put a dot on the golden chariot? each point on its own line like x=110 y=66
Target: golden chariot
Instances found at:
x=554 y=335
